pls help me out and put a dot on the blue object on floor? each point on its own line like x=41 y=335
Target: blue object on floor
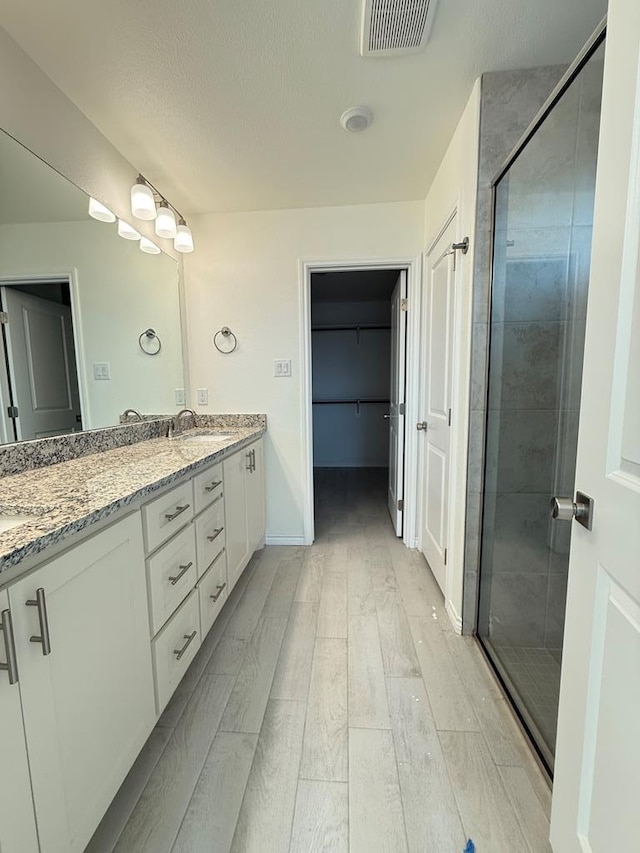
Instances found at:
x=470 y=848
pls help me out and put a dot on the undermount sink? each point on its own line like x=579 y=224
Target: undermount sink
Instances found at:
x=8 y=522
x=208 y=436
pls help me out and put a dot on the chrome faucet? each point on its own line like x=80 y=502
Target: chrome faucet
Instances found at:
x=173 y=426
x=135 y=412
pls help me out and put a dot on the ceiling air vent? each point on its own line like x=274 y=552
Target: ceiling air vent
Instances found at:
x=396 y=27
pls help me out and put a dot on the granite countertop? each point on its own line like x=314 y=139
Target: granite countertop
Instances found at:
x=68 y=497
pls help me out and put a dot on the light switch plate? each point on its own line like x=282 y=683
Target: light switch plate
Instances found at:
x=203 y=396
x=282 y=367
x=101 y=370
x=179 y=397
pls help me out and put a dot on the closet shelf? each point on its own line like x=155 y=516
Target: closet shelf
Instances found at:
x=352 y=402
x=363 y=327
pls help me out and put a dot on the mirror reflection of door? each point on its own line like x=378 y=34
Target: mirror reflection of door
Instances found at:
x=42 y=375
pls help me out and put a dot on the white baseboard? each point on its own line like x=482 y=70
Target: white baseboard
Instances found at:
x=456 y=620
x=285 y=540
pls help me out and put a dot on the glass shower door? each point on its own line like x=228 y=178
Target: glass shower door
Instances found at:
x=542 y=247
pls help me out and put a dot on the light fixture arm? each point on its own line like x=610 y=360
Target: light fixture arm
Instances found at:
x=159 y=198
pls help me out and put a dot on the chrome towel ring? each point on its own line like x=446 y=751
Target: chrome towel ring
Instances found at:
x=149 y=342
x=225 y=341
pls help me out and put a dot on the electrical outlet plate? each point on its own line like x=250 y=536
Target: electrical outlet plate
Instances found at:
x=203 y=396
x=101 y=370
x=179 y=397
x=282 y=367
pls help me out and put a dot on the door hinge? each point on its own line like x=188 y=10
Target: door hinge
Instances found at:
x=401 y=409
x=404 y=304
x=4 y=317
x=12 y=411
x=401 y=505
x=449 y=418
x=445 y=556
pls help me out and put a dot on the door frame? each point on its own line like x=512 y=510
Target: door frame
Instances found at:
x=460 y=402
x=69 y=278
x=413 y=267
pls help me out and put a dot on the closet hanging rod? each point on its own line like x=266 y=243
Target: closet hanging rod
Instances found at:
x=352 y=402
x=362 y=328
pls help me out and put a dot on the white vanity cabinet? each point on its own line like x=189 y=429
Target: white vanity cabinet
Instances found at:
x=17 y=819
x=244 y=507
x=81 y=627
x=255 y=498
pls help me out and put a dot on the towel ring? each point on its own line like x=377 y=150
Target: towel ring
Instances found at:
x=149 y=342
x=225 y=334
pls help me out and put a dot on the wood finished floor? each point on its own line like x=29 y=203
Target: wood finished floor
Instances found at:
x=332 y=708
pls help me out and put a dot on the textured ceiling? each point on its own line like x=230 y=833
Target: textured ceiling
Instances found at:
x=235 y=104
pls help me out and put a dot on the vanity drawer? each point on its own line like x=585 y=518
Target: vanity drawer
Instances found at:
x=167 y=514
x=207 y=486
x=213 y=590
x=210 y=535
x=171 y=574
x=174 y=648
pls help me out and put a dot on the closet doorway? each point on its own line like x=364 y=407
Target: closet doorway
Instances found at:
x=358 y=374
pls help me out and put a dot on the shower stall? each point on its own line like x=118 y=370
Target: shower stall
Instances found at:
x=543 y=212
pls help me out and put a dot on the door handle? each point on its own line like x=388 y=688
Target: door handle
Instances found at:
x=11 y=666
x=40 y=602
x=386 y=417
x=566 y=509
x=422 y=425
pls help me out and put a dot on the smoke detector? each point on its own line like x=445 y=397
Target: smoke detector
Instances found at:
x=395 y=27
x=356 y=119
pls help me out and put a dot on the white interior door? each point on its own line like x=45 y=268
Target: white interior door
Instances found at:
x=42 y=365
x=437 y=347
x=597 y=771
x=397 y=402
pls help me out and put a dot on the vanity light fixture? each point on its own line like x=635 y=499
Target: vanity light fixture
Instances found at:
x=143 y=203
x=147 y=204
x=184 y=238
x=126 y=231
x=148 y=247
x=166 y=221
x=100 y=212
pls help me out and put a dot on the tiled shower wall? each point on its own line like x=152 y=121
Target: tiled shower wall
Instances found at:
x=509 y=102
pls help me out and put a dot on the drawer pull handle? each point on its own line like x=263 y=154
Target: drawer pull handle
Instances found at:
x=220 y=587
x=213 y=486
x=40 y=602
x=189 y=638
x=216 y=532
x=179 y=510
x=174 y=580
x=11 y=666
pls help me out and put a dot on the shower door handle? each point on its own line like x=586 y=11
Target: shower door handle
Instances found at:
x=566 y=509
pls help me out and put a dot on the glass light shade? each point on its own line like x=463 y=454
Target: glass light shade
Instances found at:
x=100 y=212
x=166 y=222
x=148 y=247
x=126 y=231
x=143 y=205
x=184 y=238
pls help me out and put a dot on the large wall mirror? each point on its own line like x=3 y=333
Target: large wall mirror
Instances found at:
x=77 y=300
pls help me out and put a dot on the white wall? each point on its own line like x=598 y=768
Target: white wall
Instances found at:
x=122 y=292
x=455 y=186
x=246 y=274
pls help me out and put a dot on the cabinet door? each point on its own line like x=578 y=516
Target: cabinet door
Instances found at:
x=237 y=543
x=255 y=498
x=88 y=705
x=17 y=821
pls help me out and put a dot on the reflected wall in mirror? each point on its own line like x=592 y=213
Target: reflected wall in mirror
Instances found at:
x=76 y=299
